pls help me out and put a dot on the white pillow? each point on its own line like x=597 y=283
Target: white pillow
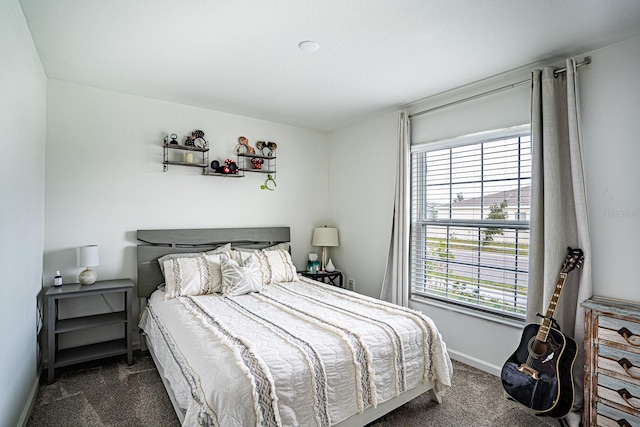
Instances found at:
x=213 y=258
x=275 y=264
x=187 y=276
x=240 y=279
x=282 y=268
x=220 y=249
x=164 y=258
x=284 y=246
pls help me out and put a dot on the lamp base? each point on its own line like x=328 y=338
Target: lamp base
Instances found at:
x=324 y=258
x=87 y=277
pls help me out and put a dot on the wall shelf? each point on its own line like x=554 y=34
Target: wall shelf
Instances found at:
x=243 y=161
x=223 y=175
x=268 y=167
x=203 y=163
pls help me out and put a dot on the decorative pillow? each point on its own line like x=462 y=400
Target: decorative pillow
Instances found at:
x=187 y=276
x=281 y=266
x=284 y=246
x=241 y=256
x=162 y=259
x=275 y=264
x=240 y=279
x=221 y=249
x=215 y=272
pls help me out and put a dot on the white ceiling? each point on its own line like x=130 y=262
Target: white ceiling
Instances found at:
x=241 y=56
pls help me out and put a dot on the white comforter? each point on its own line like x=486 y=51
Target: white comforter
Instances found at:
x=296 y=354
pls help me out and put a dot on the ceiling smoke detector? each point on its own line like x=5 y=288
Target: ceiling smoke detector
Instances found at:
x=308 y=46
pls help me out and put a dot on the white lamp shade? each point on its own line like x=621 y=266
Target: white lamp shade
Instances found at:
x=325 y=236
x=88 y=256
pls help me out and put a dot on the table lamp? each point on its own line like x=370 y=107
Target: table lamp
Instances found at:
x=324 y=237
x=87 y=256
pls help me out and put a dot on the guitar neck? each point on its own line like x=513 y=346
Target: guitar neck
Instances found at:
x=543 y=332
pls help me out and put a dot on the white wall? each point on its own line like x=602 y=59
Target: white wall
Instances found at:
x=610 y=99
x=22 y=127
x=361 y=197
x=362 y=182
x=105 y=179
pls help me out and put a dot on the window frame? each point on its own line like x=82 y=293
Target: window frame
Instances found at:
x=452 y=143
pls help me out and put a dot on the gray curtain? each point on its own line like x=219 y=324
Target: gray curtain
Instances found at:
x=395 y=287
x=558 y=208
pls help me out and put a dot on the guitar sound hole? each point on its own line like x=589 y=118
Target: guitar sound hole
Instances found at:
x=536 y=348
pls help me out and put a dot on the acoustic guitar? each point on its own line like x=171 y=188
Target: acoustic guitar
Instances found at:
x=539 y=373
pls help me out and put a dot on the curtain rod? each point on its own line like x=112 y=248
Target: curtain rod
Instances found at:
x=585 y=61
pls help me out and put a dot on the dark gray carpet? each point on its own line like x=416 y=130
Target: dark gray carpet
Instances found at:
x=110 y=393
x=104 y=393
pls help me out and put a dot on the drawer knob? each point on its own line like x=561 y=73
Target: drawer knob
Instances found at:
x=626 y=365
x=623 y=423
x=627 y=335
x=626 y=396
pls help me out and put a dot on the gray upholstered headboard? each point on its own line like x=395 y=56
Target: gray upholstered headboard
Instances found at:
x=156 y=243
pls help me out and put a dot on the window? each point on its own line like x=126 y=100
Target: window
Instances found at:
x=470 y=202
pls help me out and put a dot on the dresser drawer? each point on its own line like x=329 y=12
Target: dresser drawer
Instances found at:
x=622 y=393
x=619 y=363
x=619 y=331
x=611 y=417
x=612 y=363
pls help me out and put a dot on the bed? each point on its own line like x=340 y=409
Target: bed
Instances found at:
x=255 y=344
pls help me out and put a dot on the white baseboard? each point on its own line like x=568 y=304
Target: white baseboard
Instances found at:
x=26 y=411
x=475 y=362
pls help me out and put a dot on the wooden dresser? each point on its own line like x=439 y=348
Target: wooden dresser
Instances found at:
x=612 y=363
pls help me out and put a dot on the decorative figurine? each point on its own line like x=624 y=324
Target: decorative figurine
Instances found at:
x=245 y=142
x=257 y=163
x=233 y=167
x=196 y=137
x=271 y=146
x=229 y=167
x=268 y=182
x=174 y=139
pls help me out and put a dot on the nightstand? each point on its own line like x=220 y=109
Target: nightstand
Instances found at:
x=55 y=326
x=334 y=278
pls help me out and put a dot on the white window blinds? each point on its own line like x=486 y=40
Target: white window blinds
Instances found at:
x=470 y=202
